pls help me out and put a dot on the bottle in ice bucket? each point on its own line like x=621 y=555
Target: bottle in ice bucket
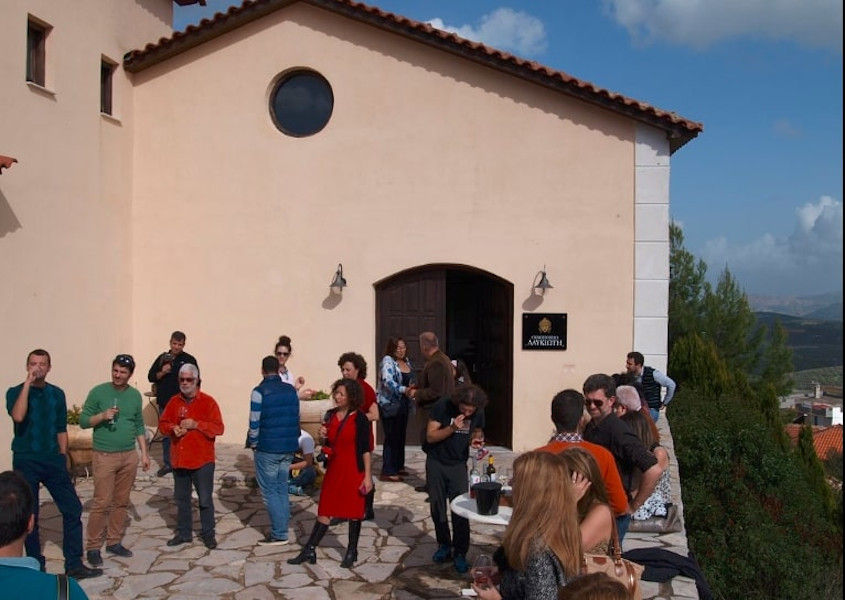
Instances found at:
x=474 y=477
x=491 y=469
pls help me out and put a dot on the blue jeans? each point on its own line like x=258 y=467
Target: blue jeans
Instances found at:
x=306 y=477
x=203 y=481
x=52 y=472
x=655 y=414
x=271 y=471
x=622 y=522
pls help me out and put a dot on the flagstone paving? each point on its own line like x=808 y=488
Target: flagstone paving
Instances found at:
x=394 y=551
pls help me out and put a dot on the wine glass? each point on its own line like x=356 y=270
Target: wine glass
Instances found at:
x=483 y=571
x=183 y=414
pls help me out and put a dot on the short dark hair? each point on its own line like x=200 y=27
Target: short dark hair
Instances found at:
x=357 y=361
x=124 y=360
x=600 y=381
x=178 y=336
x=637 y=357
x=354 y=392
x=567 y=409
x=469 y=394
x=270 y=364
x=38 y=352
x=16 y=505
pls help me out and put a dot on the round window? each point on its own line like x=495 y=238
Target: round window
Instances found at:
x=301 y=103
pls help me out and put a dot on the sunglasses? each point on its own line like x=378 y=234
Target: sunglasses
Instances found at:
x=596 y=403
x=125 y=360
x=282 y=353
x=187 y=379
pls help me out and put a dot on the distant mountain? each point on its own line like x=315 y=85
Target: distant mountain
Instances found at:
x=815 y=343
x=821 y=306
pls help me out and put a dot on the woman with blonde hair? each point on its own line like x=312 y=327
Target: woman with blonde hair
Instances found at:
x=541 y=550
x=594 y=513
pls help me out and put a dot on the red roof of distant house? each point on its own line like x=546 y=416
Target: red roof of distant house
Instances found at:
x=679 y=130
x=6 y=162
x=825 y=439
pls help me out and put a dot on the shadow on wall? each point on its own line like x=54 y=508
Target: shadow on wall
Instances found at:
x=8 y=221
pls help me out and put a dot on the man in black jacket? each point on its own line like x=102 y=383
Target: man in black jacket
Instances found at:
x=164 y=373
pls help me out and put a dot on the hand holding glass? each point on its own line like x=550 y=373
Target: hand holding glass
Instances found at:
x=483 y=571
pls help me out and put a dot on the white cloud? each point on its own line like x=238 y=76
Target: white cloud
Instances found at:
x=699 y=23
x=808 y=261
x=505 y=29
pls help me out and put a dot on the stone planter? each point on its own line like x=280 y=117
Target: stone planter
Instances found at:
x=311 y=414
x=80 y=448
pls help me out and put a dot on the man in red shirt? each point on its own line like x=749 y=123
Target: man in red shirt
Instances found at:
x=192 y=420
x=567 y=411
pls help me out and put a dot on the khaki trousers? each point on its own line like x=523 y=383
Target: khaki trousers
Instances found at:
x=114 y=475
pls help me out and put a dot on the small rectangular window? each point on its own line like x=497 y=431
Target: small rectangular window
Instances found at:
x=36 y=40
x=106 y=72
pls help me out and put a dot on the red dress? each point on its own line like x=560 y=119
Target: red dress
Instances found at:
x=339 y=496
x=369 y=400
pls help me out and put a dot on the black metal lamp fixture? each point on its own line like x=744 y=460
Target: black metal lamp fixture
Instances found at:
x=543 y=284
x=339 y=282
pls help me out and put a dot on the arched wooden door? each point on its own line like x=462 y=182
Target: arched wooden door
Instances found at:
x=471 y=312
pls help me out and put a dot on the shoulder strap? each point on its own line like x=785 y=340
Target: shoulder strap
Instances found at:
x=62 y=584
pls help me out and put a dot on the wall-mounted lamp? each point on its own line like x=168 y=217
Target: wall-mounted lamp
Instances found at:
x=339 y=282
x=543 y=284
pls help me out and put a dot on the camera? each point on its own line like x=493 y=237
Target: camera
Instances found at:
x=325 y=455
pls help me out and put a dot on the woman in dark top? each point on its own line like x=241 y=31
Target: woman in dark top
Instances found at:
x=395 y=376
x=541 y=550
x=348 y=476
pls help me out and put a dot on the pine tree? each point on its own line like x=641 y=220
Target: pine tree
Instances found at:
x=686 y=288
x=696 y=362
x=777 y=361
x=815 y=470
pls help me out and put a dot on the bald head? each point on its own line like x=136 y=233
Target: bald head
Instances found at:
x=428 y=343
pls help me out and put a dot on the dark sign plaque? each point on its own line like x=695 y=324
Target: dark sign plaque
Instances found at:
x=545 y=331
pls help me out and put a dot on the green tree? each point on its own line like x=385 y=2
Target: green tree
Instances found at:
x=777 y=361
x=696 y=362
x=687 y=278
x=730 y=323
x=814 y=468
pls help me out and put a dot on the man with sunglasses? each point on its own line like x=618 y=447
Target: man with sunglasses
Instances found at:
x=606 y=429
x=192 y=421
x=113 y=409
x=39 y=449
x=163 y=374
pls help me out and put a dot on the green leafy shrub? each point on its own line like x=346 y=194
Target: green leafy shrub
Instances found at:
x=73 y=415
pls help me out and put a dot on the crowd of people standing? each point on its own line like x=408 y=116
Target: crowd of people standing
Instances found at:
x=603 y=466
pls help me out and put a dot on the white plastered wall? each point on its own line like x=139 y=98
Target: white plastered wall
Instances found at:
x=651 y=246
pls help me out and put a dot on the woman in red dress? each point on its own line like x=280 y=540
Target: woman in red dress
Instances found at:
x=348 y=476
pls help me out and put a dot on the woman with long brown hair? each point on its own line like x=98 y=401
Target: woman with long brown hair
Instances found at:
x=541 y=550
x=595 y=516
x=348 y=476
x=657 y=504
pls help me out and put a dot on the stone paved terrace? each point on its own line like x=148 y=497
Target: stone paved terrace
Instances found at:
x=394 y=552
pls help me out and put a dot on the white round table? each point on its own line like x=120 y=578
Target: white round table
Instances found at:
x=465 y=506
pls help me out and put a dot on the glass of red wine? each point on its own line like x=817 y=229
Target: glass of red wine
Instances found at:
x=483 y=571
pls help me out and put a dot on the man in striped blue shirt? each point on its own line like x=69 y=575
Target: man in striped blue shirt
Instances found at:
x=274 y=436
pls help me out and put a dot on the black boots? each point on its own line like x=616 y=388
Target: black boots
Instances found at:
x=308 y=552
x=352 y=549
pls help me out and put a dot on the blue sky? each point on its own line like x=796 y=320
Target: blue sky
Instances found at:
x=761 y=189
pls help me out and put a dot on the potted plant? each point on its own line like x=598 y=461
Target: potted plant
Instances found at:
x=311 y=411
x=80 y=442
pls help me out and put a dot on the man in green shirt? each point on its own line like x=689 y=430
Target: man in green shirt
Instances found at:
x=113 y=409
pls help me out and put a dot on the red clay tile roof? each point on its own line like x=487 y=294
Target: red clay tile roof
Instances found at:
x=6 y=162
x=825 y=439
x=678 y=129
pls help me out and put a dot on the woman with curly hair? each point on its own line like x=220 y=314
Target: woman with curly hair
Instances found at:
x=348 y=476
x=541 y=550
x=595 y=516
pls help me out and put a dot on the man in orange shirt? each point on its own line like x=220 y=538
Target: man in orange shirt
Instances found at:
x=567 y=412
x=192 y=420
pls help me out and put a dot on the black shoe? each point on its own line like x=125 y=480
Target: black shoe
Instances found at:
x=116 y=549
x=349 y=559
x=94 y=558
x=178 y=540
x=83 y=572
x=209 y=541
x=308 y=553
x=421 y=488
x=163 y=471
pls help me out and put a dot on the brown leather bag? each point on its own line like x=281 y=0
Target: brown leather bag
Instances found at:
x=614 y=565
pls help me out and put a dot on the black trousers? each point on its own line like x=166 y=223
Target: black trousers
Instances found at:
x=446 y=482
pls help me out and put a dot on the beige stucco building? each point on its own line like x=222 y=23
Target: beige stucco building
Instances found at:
x=446 y=177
